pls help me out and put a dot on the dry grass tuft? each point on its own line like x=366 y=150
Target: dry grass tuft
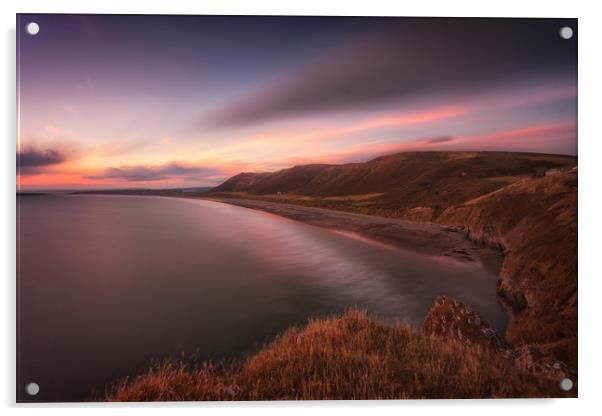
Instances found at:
x=346 y=357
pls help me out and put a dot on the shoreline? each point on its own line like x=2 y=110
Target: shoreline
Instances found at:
x=422 y=237
x=427 y=238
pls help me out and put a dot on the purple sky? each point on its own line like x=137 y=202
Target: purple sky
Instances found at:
x=163 y=101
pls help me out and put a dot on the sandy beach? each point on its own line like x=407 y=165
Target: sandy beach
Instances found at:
x=427 y=238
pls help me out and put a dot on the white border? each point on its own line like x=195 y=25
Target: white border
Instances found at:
x=590 y=168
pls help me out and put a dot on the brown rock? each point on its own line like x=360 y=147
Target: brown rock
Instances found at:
x=450 y=318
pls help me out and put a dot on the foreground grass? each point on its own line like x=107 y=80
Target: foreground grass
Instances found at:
x=345 y=357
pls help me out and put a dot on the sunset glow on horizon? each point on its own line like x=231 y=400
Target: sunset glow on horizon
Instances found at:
x=189 y=101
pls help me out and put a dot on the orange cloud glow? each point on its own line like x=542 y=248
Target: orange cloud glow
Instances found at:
x=405 y=120
x=313 y=143
x=128 y=163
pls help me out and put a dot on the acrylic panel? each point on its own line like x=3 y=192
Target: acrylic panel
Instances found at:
x=295 y=208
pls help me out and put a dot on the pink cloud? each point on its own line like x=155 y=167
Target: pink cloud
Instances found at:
x=552 y=138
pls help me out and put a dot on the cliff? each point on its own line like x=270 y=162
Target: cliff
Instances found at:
x=524 y=204
x=535 y=221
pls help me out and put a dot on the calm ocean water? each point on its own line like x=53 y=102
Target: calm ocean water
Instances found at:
x=109 y=283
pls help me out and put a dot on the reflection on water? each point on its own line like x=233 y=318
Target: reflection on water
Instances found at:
x=107 y=283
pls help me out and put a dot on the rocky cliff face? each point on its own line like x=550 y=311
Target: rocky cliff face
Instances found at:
x=451 y=319
x=535 y=222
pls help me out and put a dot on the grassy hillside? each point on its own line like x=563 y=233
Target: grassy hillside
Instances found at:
x=350 y=357
x=394 y=183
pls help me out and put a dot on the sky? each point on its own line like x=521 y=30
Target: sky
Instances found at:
x=124 y=101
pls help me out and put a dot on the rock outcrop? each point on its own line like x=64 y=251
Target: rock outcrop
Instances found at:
x=449 y=318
